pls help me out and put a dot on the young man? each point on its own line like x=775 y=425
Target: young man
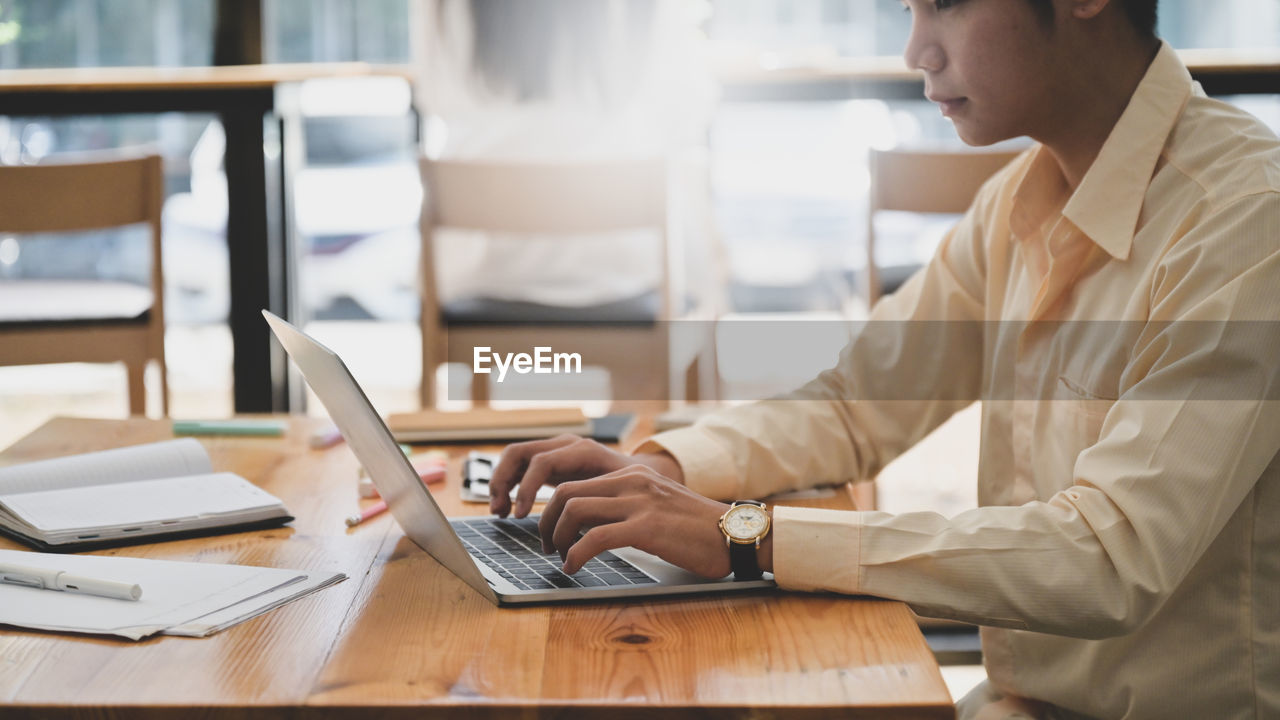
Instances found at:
x=1112 y=298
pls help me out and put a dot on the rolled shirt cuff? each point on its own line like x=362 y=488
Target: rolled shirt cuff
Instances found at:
x=708 y=470
x=817 y=549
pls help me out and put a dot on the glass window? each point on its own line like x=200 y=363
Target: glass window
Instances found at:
x=374 y=31
x=92 y=33
x=854 y=28
x=1221 y=24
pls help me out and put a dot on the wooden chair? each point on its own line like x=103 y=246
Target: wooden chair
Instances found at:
x=85 y=321
x=918 y=181
x=630 y=338
x=922 y=182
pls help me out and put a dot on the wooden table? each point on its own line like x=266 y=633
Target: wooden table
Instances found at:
x=403 y=637
x=263 y=143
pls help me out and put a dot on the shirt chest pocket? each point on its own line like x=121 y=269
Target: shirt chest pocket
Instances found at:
x=1083 y=409
x=1085 y=364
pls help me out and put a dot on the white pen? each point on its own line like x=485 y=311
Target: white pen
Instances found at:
x=43 y=579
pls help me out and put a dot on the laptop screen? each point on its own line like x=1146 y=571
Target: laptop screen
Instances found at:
x=408 y=499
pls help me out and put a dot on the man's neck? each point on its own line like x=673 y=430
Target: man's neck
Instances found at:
x=1092 y=104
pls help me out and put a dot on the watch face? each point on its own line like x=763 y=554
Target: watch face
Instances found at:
x=746 y=522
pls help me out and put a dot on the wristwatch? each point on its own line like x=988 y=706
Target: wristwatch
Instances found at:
x=744 y=525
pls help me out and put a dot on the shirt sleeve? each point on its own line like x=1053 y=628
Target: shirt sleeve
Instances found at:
x=915 y=362
x=1179 y=452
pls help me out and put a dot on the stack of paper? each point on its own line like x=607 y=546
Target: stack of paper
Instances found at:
x=178 y=598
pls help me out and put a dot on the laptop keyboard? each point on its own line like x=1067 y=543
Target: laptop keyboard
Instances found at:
x=512 y=548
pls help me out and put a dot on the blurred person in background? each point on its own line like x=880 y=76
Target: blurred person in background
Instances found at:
x=565 y=81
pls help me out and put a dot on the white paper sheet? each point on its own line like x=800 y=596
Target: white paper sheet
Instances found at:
x=270 y=600
x=173 y=594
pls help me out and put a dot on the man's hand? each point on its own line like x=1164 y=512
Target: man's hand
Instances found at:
x=635 y=507
x=560 y=459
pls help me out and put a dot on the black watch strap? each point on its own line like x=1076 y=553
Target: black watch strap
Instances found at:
x=742 y=559
x=742 y=556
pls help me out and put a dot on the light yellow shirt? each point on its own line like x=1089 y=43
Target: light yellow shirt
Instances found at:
x=1124 y=340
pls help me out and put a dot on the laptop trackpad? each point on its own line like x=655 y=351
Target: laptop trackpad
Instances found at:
x=663 y=571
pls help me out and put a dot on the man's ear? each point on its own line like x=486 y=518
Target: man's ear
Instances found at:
x=1087 y=9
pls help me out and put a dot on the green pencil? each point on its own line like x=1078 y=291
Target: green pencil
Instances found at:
x=273 y=428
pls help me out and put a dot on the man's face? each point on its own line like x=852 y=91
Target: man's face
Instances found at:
x=991 y=65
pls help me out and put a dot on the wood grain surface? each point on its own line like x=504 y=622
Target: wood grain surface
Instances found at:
x=403 y=637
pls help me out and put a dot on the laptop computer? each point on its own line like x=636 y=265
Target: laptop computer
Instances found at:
x=499 y=558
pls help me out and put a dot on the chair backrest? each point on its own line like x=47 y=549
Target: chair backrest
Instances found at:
x=549 y=199
x=543 y=199
x=924 y=182
x=91 y=191
x=931 y=181
x=70 y=194
x=556 y=198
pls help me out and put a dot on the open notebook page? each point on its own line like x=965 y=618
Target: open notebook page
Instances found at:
x=171 y=458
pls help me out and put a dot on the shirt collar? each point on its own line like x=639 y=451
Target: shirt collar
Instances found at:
x=1109 y=199
x=1040 y=190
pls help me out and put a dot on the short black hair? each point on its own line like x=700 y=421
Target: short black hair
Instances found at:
x=1141 y=14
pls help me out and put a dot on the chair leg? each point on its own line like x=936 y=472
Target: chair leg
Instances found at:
x=427 y=390
x=430 y=361
x=164 y=389
x=164 y=384
x=163 y=366
x=136 y=372
x=692 y=378
x=663 y=375
x=864 y=495
x=479 y=390
x=714 y=385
